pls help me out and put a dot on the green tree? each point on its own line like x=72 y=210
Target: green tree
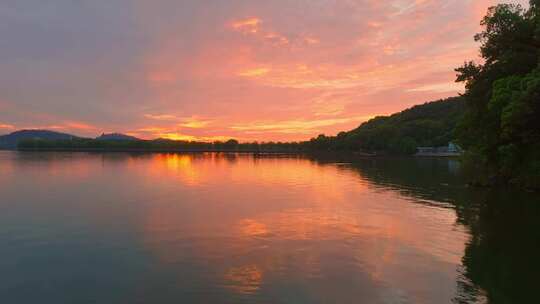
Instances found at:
x=503 y=94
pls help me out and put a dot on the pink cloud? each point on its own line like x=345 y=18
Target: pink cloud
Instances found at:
x=267 y=70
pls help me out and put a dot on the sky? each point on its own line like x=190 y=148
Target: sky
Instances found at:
x=217 y=69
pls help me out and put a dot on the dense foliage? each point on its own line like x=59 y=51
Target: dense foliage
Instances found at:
x=431 y=124
x=501 y=128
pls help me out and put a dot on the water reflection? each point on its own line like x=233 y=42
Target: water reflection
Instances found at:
x=244 y=279
x=499 y=264
x=228 y=228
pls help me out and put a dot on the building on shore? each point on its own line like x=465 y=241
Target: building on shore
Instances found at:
x=444 y=151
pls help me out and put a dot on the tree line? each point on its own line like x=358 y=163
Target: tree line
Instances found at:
x=165 y=145
x=430 y=124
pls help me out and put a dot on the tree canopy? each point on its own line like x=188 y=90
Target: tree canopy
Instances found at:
x=430 y=124
x=501 y=128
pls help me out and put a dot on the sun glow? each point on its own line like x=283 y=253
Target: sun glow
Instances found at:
x=176 y=136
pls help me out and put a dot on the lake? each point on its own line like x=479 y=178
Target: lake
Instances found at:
x=240 y=228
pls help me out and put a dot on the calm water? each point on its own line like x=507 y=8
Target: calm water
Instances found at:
x=222 y=228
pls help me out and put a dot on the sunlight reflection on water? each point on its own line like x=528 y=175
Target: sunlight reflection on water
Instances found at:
x=227 y=228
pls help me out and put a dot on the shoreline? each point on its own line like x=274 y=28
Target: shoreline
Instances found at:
x=241 y=151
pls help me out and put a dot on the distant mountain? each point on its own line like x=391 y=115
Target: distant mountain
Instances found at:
x=10 y=141
x=117 y=137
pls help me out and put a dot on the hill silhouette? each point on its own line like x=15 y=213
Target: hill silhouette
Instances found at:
x=116 y=137
x=429 y=124
x=11 y=140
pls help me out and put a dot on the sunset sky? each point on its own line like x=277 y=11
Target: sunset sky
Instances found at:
x=215 y=69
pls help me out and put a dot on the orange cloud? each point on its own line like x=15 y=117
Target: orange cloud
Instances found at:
x=254 y=27
x=303 y=77
x=6 y=126
x=276 y=39
x=194 y=123
x=295 y=126
x=310 y=40
x=250 y=25
x=152 y=130
x=78 y=125
x=328 y=109
x=254 y=72
x=65 y=126
x=439 y=87
x=166 y=117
